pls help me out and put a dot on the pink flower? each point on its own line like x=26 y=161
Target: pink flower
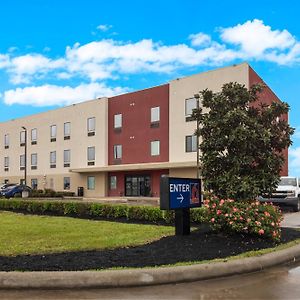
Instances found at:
x=241 y=218
x=235 y=209
x=267 y=214
x=212 y=220
x=273 y=224
x=248 y=220
x=222 y=202
x=226 y=215
x=219 y=212
x=261 y=231
x=230 y=222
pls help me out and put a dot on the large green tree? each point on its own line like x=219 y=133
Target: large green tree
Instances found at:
x=241 y=141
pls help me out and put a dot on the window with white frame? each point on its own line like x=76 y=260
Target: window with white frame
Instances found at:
x=67 y=158
x=91 y=156
x=91 y=126
x=190 y=143
x=34 y=183
x=118 y=121
x=33 y=136
x=117 y=151
x=155 y=114
x=6 y=141
x=190 y=105
x=53 y=133
x=53 y=159
x=67 y=183
x=6 y=163
x=155 y=148
x=22 y=161
x=22 y=138
x=33 y=161
x=91 y=182
x=67 y=130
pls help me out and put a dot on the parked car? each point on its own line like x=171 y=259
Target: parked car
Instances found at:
x=5 y=185
x=15 y=191
x=287 y=193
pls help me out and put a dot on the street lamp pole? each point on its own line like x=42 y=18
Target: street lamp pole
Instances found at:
x=25 y=154
x=197 y=97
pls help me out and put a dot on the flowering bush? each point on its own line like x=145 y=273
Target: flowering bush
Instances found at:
x=256 y=218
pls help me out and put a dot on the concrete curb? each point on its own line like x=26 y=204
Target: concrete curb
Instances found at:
x=144 y=277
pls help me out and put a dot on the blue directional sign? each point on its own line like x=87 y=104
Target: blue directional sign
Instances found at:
x=176 y=193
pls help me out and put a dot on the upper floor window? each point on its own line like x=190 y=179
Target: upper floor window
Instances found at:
x=91 y=156
x=118 y=121
x=33 y=136
x=155 y=148
x=53 y=159
x=6 y=141
x=190 y=104
x=191 y=143
x=53 y=133
x=117 y=151
x=33 y=161
x=155 y=114
x=22 y=161
x=6 y=163
x=91 y=126
x=22 y=138
x=67 y=130
x=67 y=158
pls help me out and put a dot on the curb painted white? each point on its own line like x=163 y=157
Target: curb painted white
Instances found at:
x=145 y=277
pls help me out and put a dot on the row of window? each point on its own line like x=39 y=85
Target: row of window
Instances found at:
x=155 y=117
x=67 y=159
x=91 y=127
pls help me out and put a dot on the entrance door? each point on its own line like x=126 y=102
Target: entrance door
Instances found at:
x=139 y=185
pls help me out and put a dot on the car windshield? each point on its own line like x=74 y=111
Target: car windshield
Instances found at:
x=9 y=187
x=288 y=181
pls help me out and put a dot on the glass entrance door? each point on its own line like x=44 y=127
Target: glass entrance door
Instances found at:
x=138 y=186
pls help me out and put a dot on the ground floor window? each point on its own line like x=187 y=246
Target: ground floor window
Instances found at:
x=139 y=185
x=91 y=182
x=34 y=183
x=67 y=183
x=113 y=182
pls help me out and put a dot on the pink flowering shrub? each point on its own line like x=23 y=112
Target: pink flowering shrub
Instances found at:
x=261 y=219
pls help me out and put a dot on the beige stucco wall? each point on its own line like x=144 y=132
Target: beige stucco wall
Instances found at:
x=183 y=172
x=77 y=115
x=184 y=88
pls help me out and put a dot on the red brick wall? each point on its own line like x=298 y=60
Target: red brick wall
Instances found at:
x=136 y=133
x=268 y=96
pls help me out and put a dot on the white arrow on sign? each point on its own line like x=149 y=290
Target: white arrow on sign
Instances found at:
x=180 y=198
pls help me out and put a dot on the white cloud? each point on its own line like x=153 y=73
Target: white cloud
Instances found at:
x=47 y=95
x=294 y=161
x=104 y=27
x=200 y=39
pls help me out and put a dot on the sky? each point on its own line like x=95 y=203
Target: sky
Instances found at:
x=54 y=53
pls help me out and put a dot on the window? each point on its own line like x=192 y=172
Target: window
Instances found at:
x=34 y=183
x=67 y=183
x=91 y=182
x=22 y=138
x=33 y=136
x=67 y=130
x=91 y=156
x=113 y=182
x=155 y=114
x=190 y=104
x=91 y=126
x=117 y=151
x=67 y=158
x=191 y=143
x=6 y=163
x=53 y=159
x=6 y=141
x=118 y=121
x=22 y=162
x=155 y=148
x=33 y=161
x=53 y=133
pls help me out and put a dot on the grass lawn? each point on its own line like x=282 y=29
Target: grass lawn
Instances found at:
x=27 y=234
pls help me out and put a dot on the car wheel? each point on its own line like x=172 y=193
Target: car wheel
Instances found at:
x=17 y=195
x=297 y=207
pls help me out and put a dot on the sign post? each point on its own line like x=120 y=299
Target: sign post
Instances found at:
x=180 y=194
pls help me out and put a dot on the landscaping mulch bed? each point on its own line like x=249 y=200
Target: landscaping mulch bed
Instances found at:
x=202 y=244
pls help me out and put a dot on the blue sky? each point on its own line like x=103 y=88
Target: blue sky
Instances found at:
x=54 y=53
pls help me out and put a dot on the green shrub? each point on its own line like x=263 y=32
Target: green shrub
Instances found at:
x=249 y=217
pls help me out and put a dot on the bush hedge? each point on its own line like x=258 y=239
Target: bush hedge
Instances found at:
x=147 y=214
x=48 y=193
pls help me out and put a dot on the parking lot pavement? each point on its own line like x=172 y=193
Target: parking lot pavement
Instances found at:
x=291 y=220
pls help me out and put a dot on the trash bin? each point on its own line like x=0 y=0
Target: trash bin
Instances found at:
x=25 y=194
x=80 y=191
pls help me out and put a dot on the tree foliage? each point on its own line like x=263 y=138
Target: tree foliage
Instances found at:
x=242 y=141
